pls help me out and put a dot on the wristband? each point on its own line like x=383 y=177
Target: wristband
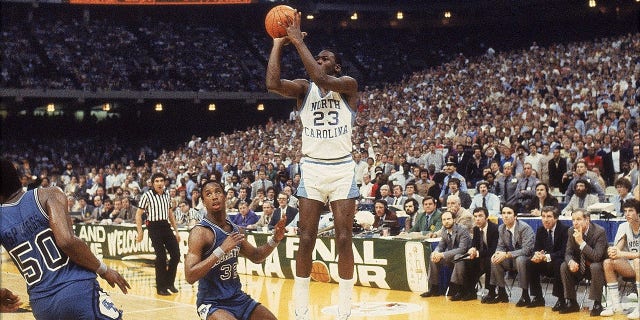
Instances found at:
x=218 y=252
x=272 y=243
x=101 y=269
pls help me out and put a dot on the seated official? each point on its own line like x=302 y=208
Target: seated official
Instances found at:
x=515 y=248
x=586 y=250
x=410 y=208
x=455 y=241
x=624 y=258
x=428 y=221
x=483 y=246
x=383 y=216
x=542 y=199
x=549 y=249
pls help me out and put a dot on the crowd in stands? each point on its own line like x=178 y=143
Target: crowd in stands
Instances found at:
x=513 y=108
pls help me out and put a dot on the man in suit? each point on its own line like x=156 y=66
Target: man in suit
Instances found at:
x=384 y=216
x=261 y=183
x=429 y=220
x=549 y=249
x=581 y=199
x=506 y=185
x=581 y=173
x=483 y=246
x=525 y=188
x=612 y=161
x=515 y=248
x=450 y=171
x=453 y=244
x=283 y=210
x=398 y=198
x=586 y=250
x=485 y=199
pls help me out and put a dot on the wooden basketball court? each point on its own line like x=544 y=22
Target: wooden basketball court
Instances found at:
x=369 y=303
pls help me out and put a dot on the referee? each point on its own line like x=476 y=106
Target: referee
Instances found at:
x=157 y=204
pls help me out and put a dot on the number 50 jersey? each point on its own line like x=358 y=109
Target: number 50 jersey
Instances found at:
x=327 y=124
x=26 y=235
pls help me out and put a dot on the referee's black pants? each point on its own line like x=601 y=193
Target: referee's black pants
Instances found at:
x=163 y=240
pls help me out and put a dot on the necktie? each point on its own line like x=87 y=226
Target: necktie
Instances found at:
x=264 y=186
x=426 y=227
x=397 y=202
x=484 y=202
x=526 y=183
x=450 y=243
x=484 y=237
x=548 y=246
x=510 y=240
x=583 y=264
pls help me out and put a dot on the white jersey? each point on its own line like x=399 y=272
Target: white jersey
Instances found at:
x=327 y=124
x=633 y=241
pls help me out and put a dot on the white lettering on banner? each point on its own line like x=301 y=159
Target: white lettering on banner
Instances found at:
x=122 y=242
x=96 y=248
x=271 y=264
x=92 y=233
x=368 y=251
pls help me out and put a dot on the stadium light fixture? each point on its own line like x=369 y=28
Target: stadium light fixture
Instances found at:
x=212 y=107
x=447 y=14
x=51 y=107
x=106 y=107
x=158 y=107
x=310 y=17
x=354 y=16
x=399 y=15
x=261 y=107
x=592 y=3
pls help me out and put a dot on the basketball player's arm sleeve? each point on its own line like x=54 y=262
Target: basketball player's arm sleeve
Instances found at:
x=77 y=250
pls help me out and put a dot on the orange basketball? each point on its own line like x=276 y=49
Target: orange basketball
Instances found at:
x=320 y=272
x=278 y=14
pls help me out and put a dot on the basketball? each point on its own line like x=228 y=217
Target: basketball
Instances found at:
x=320 y=272
x=278 y=14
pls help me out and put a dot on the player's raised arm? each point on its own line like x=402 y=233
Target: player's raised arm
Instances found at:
x=288 y=88
x=324 y=78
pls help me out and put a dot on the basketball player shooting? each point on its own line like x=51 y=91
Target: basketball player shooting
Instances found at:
x=325 y=103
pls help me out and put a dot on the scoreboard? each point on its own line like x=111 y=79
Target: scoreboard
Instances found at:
x=161 y=2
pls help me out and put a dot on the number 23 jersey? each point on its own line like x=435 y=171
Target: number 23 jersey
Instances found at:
x=327 y=124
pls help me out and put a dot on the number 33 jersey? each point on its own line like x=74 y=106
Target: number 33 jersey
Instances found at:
x=327 y=124
x=25 y=233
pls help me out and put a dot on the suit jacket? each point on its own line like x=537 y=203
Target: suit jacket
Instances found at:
x=435 y=222
x=290 y=213
x=390 y=216
x=258 y=185
x=509 y=184
x=607 y=165
x=459 y=242
x=559 y=240
x=492 y=240
x=594 y=251
x=523 y=239
x=556 y=171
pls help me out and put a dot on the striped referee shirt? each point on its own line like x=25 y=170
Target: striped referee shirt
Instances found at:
x=156 y=205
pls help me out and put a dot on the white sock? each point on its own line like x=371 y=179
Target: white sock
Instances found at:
x=345 y=290
x=613 y=296
x=301 y=294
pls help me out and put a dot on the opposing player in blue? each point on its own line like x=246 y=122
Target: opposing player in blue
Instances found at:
x=59 y=268
x=326 y=103
x=214 y=246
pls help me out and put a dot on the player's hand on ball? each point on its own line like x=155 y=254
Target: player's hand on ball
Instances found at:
x=114 y=278
x=278 y=231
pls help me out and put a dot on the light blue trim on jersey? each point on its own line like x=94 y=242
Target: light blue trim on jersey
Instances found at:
x=320 y=161
x=306 y=95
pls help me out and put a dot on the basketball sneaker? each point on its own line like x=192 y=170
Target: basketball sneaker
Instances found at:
x=610 y=311
x=302 y=314
x=635 y=314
